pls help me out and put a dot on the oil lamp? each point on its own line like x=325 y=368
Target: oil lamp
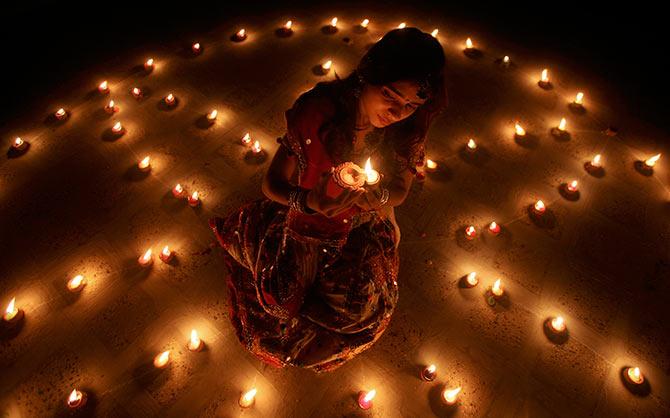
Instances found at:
x=77 y=399
x=149 y=64
x=146 y=259
x=19 y=144
x=494 y=228
x=469 y=45
x=76 y=283
x=256 y=148
x=634 y=375
x=557 y=325
x=12 y=313
x=103 y=87
x=166 y=255
x=196 y=48
x=240 y=35
x=429 y=373
x=544 y=78
x=472 y=145
x=194 y=199
x=372 y=176
x=195 y=343
x=518 y=130
x=247 y=399
x=60 y=114
x=450 y=396
x=111 y=107
x=170 y=100
x=365 y=399
x=471 y=279
x=178 y=191
x=470 y=232
x=434 y=33
x=497 y=289
x=246 y=139
x=650 y=162
x=162 y=359
x=117 y=128
x=211 y=116
x=325 y=67
x=572 y=187
x=145 y=164
x=539 y=207
x=136 y=92
x=365 y=23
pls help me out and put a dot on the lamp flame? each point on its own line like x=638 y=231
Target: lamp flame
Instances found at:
x=75 y=398
x=288 y=25
x=518 y=129
x=117 y=127
x=247 y=398
x=195 y=342
x=572 y=187
x=370 y=395
x=162 y=359
x=333 y=22
x=472 y=145
x=365 y=23
x=435 y=32
x=652 y=161
x=497 y=289
x=579 y=98
x=76 y=282
x=558 y=323
x=472 y=278
x=430 y=164
x=11 y=310
x=545 y=76
x=213 y=114
x=103 y=87
x=562 y=125
x=468 y=44
x=18 y=142
x=403 y=25
x=506 y=59
x=256 y=148
x=539 y=206
x=450 y=395
x=246 y=139
x=326 y=65
x=144 y=163
x=596 y=160
x=635 y=375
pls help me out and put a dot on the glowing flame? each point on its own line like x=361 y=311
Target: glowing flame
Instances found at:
x=472 y=144
x=579 y=98
x=11 y=310
x=75 y=397
x=518 y=129
x=370 y=395
x=493 y=227
x=372 y=176
x=539 y=206
x=18 y=142
x=166 y=251
x=162 y=359
x=431 y=368
x=333 y=22
x=365 y=23
x=506 y=59
x=145 y=163
x=196 y=46
x=450 y=395
x=558 y=323
x=75 y=282
x=146 y=258
x=497 y=289
x=430 y=164
x=212 y=115
x=117 y=127
x=403 y=25
x=136 y=92
x=288 y=25
x=110 y=105
x=545 y=76
x=60 y=113
x=241 y=33
x=247 y=398
x=178 y=188
x=326 y=65
x=434 y=33
x=103 y=86
x=652 y=161
x=596 y=160
x=472 y=278
x=572 y=186
x=169 y=99
x=256 y=148
x=468 y=43
x=246 y=138
x=194 y=342
x=194 y=196
x=635 y=375
x=149 y=63
x=562 y=125
x=470 y=231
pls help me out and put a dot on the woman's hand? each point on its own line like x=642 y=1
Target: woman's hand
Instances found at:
x=319 y=201
x=370 y=200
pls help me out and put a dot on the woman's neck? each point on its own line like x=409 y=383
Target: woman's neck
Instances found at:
x=362 y=119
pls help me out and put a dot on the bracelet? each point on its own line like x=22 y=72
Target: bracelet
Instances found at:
x=297 y=200
x=385 y=196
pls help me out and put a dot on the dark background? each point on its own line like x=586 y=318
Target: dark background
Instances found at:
x=625 y=43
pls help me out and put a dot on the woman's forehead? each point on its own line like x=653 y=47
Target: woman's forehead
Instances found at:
x=407 y=89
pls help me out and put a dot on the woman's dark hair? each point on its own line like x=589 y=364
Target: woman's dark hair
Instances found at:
x=402 y=54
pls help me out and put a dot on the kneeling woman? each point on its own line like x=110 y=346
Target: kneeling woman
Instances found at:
x=313 y=278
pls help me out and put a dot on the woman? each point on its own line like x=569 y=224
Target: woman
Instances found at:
x=313 y=278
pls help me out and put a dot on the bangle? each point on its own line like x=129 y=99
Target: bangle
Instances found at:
x=297 y=200
x=385 y=196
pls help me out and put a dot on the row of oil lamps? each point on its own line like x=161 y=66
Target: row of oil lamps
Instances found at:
x=77 y=398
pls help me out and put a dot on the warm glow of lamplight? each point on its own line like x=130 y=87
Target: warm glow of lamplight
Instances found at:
x=145 y=163
x=103 y=87
x=60 y=113
x=365 y=399
x=468 y=44
x=75 y=399
x=434 y=33
x=450 y=396
x=579 y=98
x=18 y=142
x=178 y=191
x=326 y=65
x=470 y=231
x=518 y=129
x=372 y=176
x=162 y=359
x=145 y=259
x=539 y=206
x=497 y=288
x=11 y=310
x=472 y=278
x=194 y=343
x=429 y=373
x=333 y=22
x=652 y=161
x=256 y=148
x=196 y=47
x=110 y=108
x=545 y=76
x=247 y=398
x=166 y=255
x=76 y=283
x=562 y=125
x=117 y=127
x=494 y=228
x=288 y=25
x=595 y=162
x=635 y=375
x=212 y=115
x=169 y=99
x=472 y=145
x=149 y=64
x=365 y=23
x=137 y=92
x=241 y=33
x=246 y=139
x=430 y=164
x=403 y=25
x=572 y=187
x=506 y=59
x=193 y=198
x=558 y=324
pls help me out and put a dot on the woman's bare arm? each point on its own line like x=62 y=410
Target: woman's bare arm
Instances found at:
x=277 y=180
x=398 y=186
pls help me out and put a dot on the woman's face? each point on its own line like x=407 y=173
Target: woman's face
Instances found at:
x=390 y=103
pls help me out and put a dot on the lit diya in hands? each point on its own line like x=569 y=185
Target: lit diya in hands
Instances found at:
x=347 y=175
